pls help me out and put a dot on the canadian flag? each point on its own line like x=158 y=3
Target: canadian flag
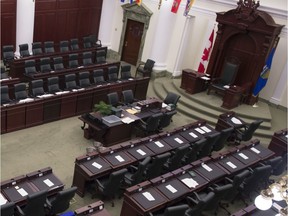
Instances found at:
x=205 y=56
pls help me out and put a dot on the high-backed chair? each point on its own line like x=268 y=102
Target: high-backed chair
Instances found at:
x=224 y=135
x=171 y=98
x=70 y=82
x=151 y=125
x=113 y=99
x=84 y=79
x=281 y=167
x=274 y=163
x=8 y=54
x=175 y=161
x=125 y=72
x=49 y=47
x=166 y=119
x=73 y=60
x=64 y=46
x=111 y=186
x=128 y=96
x=53 y=85
x=61 y=201
x=87 y=42
x=112 y=73
x=100 y=56
x=24 y=50
x=5 y=95
x=145 y=69
x=156 y=166
x=37 y=48
x=198 y=204
x=192 y=154
x=227 y=76
x=98 y=76
x=45 y=65
x=3 y=74
x=58 y=63
x=37 y=87
x=137 y=174
x=172 y=211
x=209 y=144
x=20 y=91
x=7 y=209
x=87 y=58
x=94 y=41
x=74 y=44
x=35 y=205
x=30 y=67
x=246 y=133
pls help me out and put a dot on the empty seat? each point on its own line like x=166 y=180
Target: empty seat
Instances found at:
x=98 y=76
x=145 y=69
x=128 y=96
x=45 y=65
x=94 y=41
x=87 y=42
x=87 y=58
x=5 y=95
x=7 y=209
x=73 y=60
x=70 y=82
x=24 y=50
x=3 y=74
x=246 y=133
x=113 y=99
x=156 y=166
x=30 y=67
x=58 y=63
x=126 y=72
x=20 y=91
x=171 y=98
x=74 y=44
x=112 y=73
x=37 y=88
x=84 y=79
x=166 y=119
x=178 y=210
x=150 y=126
x=49 y=47
x=198 y=204
x=208 y=145
x=8 y=54
x=53 y=85
x=100 y=56
x=64 y=46
x=175 y=161
x=37 y=48
x=224 y=135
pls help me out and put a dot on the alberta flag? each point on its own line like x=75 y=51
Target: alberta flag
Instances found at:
x=262 y=80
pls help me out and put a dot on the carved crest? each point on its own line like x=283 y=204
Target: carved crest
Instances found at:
x=247 y=10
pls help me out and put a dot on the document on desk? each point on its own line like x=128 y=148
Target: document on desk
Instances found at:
x=206 y=167
x=141 y=152
x=206 y=129
x=243 y=156
x=233 y=166
x=127 y=120
x=119 y=158
x=193 y=135
x=22 y=192
x=199 y=130
x=148 y=196
x=205 y=78
x=235 y=120
x=48 y=182
x=190 y=182
x=98 y=166
x=132 y=111
x=26 y=100
x=171 y=188
x=3 y=200
x=159 y=144
x=178 y=140
x=255 y=150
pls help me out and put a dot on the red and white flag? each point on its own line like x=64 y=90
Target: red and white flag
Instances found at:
x=175 y=6
x=206 y=53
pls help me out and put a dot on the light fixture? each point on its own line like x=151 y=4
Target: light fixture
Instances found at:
x=264 y=200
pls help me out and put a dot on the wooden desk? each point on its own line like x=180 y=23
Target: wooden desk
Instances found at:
x=229 y=119
x=191 y=81
x=93 y=209
x=232 y=97
x=278 y=143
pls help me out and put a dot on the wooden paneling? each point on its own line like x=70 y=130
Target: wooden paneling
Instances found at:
x=65 y=19
x=8 y=22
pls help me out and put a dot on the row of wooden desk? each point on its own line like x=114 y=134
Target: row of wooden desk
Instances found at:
x=170 y=188
x=15 y=115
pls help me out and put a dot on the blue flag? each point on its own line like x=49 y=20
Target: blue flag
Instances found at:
x=262 y=80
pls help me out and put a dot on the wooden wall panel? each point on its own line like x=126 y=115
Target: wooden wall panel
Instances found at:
x=8 y=22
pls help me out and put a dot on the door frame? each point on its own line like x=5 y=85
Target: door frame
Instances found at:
x=137 y=13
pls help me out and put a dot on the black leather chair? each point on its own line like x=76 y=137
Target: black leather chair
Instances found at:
x=94 y=41
x=192 y=154
x=281 y=167
x=137 y=174
x=112 y=74
x=20 y=91
x=113 y=99
x=87 y=58
x=37 y=88
x=246 y=133
x=87 y=42
x=73 y=60
x=5 y=95
x=30 y=67
x=178 y=210
x=128 y=97
x=197 y=204
x=221 y=141
x=45 y=65
x=7 y=209
x=64 y=46
x=53 y=85
x=175 y=161
x=100 y=56
x=227 y=77
x=150 y=126
x=166 y=119
x=24 y=50
x=111 y=186
x=84 y=79
x=37 y=48
x=35 y=205
x=274 y=163
x=61 y=201
x=145 y=69
x=74 y=44
x=7 y=54
x=156 y=166
x=58 y=63
x=171 y=98
x=3 y=74
x=125 y=72
x=208 y=145
x=98 y=76
x=70 y=82
x=49 y=47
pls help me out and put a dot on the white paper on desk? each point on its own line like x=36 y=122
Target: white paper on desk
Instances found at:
x=193 y=135
x=255 y=150
x=22 y=192
x=159 y=144
x=190 y=182
x=243 y=156
x=119 y=158
x=286 y=136
x=98 y=166
x=74 y=90
x=26 y=100
x=3 y=200
x=235 y=120
x=199 y=130
x=148 y=196
x=141 y=152
x=178 y=140
x=206 y=129
x=233 y=166
x=206 y=167
x=205 y=78
x=81 y=89
x=226 y=86
x=127 y=120
x=164 y=105
x=171 y=188
x=48 y=182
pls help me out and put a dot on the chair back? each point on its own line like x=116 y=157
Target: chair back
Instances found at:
x=208 y=145
x=112 y=73
x=70 y=81
x=171 y=98
x=139 y=175
x=224 y=135
x=281 y=167
x=176 y=210
x=37 y=87
x=229 y=71
x=87 y=42
x=125 y=72
x=73 y=60
x=84 y=79
x=87 y=58
x=152 y=123
x=175 y=161
x=248 y=134
x=128 y=96
x=58 y=63
x=45 y=65
x=166 y=119
x=100 y=56
x=35 y=204
x=113 y=184
x=156 y=166
x=149 y=64
x=74 y=44
x=64 y=46
x=4 y=95
x=8 y=52
x=24 y=50
x=219 y=192
x=49 y=47
x=37 y=48
x=7 y=209
x=201 y=204
x=20 y=91
x=53 y=84
x=113 y=99
x=274 y=162
x=3 y=73
x=30 y=67
x=98 y=76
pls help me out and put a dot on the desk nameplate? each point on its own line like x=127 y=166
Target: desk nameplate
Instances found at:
x=173 y=189
x=158 y=146
x=118 y=159
x=96 y=165
x=231 y=164
x=210 y=171
x=175 y=140
x=140 y=152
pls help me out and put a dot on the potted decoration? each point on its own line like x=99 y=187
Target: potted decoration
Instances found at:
x=103 y=108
